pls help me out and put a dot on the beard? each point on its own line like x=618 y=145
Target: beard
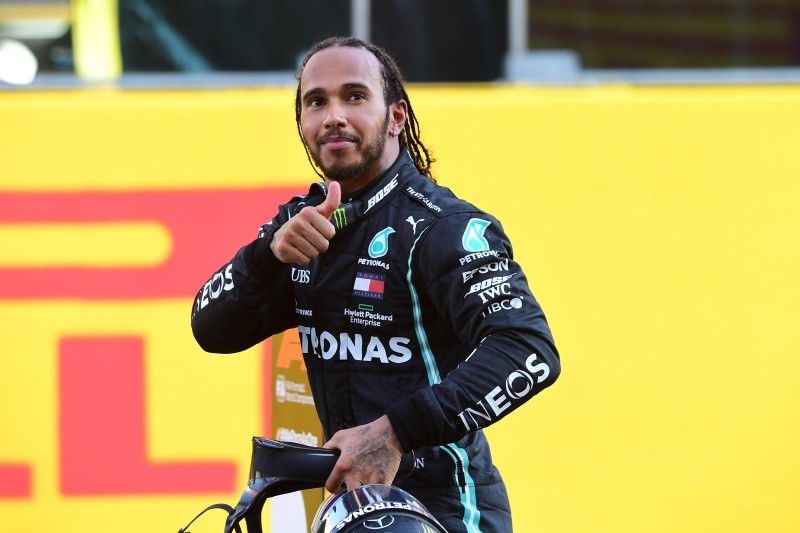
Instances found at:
x=370 y=153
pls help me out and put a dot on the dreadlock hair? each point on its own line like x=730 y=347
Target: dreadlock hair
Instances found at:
x=393 y=91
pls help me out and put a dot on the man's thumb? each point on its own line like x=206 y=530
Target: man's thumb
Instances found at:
x=332 y=201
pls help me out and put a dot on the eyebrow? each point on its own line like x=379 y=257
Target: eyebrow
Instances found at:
x=346 y=86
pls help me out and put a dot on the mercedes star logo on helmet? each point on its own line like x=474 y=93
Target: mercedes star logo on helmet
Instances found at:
x=379 y=523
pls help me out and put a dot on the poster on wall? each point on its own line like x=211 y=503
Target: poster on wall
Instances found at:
x=294 y=419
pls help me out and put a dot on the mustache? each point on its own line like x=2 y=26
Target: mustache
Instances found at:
x=338 y=134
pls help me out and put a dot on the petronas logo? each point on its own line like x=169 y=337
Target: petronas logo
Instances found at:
x=473 y=239
x=380 y=243
x=340 y=218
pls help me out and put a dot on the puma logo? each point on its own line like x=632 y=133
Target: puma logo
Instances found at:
x=414 y=223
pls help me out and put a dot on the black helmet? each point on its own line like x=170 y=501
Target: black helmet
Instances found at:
x=374 y=509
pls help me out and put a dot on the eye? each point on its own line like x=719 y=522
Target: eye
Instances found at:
x=315 y=102
x=357 y=97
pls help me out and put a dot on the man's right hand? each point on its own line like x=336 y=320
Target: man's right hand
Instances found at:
x=307 y=234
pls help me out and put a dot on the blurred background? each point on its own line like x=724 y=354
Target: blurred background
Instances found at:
x=641 y=154
x=438 y=41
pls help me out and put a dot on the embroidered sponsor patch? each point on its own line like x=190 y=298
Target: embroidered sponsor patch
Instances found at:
x=473 y=239
x=369 y=285
x=379 y=245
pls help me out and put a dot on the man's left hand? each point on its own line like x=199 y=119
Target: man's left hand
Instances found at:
x=369 y=454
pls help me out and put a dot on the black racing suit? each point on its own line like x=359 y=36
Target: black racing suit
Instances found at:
x=417 y=310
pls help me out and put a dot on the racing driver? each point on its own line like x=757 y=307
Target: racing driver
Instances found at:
x=417 y=327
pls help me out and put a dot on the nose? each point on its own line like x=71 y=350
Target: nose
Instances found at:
x=335 y=117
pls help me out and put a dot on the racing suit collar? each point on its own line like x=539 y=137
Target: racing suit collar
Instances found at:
x=381 y=179
x=362 y=202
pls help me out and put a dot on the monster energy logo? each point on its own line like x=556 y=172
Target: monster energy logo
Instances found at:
x=340 y=218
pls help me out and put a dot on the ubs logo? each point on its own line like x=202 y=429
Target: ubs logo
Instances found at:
x=300 y=276
x=379 y=523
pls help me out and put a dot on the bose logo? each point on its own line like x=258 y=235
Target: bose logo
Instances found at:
x=488 y=282
x=381 y=194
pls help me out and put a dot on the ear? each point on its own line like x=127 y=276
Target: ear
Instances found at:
x=398 y=112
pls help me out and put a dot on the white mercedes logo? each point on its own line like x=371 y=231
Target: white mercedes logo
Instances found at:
x=379 y=523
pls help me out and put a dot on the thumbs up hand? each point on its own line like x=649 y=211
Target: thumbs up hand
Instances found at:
x=332 y=201
x=307 y=234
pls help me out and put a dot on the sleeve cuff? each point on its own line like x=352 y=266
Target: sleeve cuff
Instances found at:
x=410 y=425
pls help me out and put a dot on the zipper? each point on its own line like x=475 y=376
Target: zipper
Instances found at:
x=461 y=476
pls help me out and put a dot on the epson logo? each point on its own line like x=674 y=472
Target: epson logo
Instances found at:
x=517 y=386
x=497 y=266
x=381 y=194
x=353 y=346
x=214 y=287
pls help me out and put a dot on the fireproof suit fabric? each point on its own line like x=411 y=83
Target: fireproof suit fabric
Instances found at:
x=417 y=310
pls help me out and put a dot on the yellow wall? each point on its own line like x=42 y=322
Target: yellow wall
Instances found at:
x=659 y=229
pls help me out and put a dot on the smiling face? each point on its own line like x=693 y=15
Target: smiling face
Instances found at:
x=346 y=124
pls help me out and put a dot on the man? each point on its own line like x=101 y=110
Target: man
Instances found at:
x=417 y=327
